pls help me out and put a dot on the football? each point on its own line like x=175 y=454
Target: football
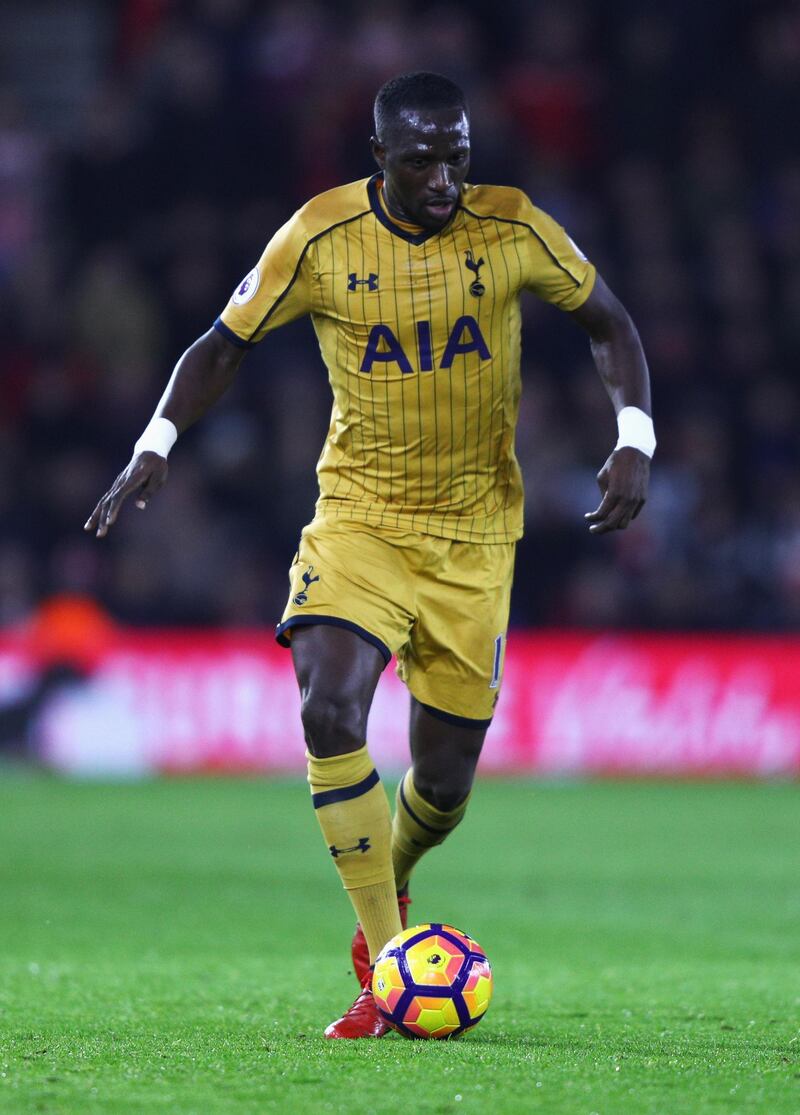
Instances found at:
x=432 y=981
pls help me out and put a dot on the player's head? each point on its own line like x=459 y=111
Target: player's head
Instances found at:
x=421 y=143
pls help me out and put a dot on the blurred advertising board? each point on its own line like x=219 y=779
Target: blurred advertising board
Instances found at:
x=571 y=704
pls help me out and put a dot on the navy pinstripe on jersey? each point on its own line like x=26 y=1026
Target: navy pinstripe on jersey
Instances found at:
x=420 y=332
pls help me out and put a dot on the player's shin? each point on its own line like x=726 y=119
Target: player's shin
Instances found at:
x=417 y=827
x=353 y=813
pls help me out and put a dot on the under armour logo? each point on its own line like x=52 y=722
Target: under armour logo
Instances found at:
x=371 y=282
x=308 y=581
x=476 y=287
x=362 y=846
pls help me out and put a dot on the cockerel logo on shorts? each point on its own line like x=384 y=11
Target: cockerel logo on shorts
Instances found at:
x=302 y=596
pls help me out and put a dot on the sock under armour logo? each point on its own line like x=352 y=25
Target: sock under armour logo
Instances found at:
x=362 y=846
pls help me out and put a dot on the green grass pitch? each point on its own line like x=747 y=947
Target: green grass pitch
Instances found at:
x=178 y=946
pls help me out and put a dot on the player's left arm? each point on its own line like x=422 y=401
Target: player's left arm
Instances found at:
x=620 y=361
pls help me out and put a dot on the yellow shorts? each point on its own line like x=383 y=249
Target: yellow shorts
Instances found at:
x=440 y=606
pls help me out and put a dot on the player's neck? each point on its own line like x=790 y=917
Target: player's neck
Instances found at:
x=398 y=217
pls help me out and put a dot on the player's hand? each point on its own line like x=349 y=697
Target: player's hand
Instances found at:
x=145 y=474
x=623 y=480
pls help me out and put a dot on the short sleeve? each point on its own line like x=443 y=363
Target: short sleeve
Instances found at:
x=276 y=291
x=555 y=269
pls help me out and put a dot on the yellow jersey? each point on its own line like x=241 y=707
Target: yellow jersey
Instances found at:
x=420 y=333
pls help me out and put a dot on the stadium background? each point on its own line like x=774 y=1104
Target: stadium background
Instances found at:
x=148 y=149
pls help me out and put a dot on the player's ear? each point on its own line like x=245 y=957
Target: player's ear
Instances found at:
x=378 y=151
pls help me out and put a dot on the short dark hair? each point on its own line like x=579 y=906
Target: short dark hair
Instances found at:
x=417 y=90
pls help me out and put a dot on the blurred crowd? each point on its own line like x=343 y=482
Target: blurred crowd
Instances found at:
x=148 y=149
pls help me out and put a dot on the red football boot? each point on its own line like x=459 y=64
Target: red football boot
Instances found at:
x=363 y=1019
x=358 y=947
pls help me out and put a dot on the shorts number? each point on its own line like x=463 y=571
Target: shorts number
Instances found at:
x=498 y=654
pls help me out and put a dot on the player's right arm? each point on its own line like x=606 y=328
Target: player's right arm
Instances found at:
x=201 y=376
x=275 y=291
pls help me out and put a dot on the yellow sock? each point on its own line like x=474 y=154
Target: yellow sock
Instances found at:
x=353 y=813
x=417 y=827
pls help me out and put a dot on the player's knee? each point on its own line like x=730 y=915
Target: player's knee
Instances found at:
x=334 y=724
x=444 y=793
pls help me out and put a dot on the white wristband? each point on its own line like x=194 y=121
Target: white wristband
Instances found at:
x=636 y=431
x=159 y=437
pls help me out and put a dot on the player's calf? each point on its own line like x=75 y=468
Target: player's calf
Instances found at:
x=417 y=827
x=353 y=813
